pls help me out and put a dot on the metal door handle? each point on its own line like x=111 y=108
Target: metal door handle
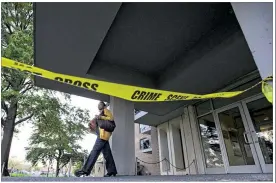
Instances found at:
x=245 y=137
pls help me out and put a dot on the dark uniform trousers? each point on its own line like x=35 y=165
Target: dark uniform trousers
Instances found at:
x=104 y=147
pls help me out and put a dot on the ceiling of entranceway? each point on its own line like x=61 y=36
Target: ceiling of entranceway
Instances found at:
x=183 y=47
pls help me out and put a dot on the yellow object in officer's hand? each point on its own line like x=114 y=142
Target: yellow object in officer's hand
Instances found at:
x=104 y=134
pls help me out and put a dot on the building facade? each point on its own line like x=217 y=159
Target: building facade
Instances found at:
x=234 y=135
x=195 y=48
x=146 y=150
x=220 y=136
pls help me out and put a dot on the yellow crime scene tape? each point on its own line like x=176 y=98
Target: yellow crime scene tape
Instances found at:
x=127 y=92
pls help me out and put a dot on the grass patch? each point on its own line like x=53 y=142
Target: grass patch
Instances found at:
x=19 y=175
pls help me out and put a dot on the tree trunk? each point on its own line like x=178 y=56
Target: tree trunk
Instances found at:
x=57 y=168
x=58 y=161
x=6 y=158
x=7 y=137
x=48 y=170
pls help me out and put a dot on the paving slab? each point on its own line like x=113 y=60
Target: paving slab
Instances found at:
x=153 y=178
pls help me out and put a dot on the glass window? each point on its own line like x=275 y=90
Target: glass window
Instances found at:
x=145 y=144
x=238 y=150
x=203 y=108
x=144 y=128
x=210 y=141
x=261 y=113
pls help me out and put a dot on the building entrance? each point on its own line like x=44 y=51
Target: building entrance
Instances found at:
x=246 y=135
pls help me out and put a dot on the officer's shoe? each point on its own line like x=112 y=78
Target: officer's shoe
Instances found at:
x=79 y=173
x=110 y=174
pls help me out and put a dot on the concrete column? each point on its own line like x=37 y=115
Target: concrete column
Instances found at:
x=189 y=143
x=196 y=140
x=176 y=140
x=256 y=21
x=165 y=151
x=155 y=150
x=122 y=139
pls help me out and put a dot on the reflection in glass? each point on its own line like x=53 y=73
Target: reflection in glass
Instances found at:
x=144 y=128
x=262 y=118
x=210 y=141
x=238 y=150
x=144 y=144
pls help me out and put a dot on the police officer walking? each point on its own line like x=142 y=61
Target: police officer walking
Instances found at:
x=103 y=125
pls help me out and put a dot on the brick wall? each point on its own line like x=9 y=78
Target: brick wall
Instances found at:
x=153 y=169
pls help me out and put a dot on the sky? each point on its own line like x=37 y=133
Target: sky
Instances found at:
x=20 y=141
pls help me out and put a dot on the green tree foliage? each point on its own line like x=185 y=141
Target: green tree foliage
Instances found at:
x=76 y=157
x=16 y=43
x=77 y=166
x=56 y=136
x=21 y=101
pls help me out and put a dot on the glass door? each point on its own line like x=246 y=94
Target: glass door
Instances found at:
x=239 y=154
x=259 y=114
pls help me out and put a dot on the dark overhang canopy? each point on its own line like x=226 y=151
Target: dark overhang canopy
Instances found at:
x=183 y=47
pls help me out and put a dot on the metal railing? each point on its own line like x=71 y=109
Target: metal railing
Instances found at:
x=167 y=163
